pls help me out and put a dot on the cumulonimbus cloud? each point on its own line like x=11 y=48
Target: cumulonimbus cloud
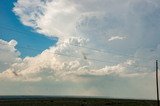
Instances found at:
x=85 y=24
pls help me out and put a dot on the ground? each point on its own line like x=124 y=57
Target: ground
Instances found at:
x=69 y=101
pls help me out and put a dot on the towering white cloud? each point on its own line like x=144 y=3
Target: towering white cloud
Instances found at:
x=94 y=22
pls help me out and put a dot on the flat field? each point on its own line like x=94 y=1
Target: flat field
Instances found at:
x=71 y=101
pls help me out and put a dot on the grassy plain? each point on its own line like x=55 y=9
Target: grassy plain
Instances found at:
x=72 y=101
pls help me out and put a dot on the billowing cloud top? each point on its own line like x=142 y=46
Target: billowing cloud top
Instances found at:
x=95 y=20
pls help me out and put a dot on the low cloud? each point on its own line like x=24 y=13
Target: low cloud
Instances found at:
x=9 y=54
x=59 y=63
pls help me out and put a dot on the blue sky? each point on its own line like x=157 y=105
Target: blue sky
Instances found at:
x=12 y=28
x=104 y=48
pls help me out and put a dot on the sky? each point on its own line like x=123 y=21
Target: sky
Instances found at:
x=12 y=28
x=97 y=48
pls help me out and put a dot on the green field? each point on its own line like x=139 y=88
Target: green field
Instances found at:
x=62 y=101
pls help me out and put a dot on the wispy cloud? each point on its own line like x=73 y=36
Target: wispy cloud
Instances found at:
x=116 y=38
